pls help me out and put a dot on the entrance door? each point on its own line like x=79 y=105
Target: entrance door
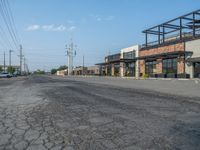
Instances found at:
x=197 y=70
x=130 y=69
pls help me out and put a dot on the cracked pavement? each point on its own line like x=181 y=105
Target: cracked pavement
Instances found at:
x=43 y=112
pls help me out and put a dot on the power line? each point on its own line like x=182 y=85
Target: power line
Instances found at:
x=12 y=20
x=5 y=38
x=6 y=18
x=9 y=16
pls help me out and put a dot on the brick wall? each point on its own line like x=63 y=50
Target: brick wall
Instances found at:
x=142 y=66
x=160 y=50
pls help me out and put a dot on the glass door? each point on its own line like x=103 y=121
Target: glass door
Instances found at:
x=197 y=70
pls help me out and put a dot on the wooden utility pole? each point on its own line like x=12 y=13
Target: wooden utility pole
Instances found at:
x=10 y=51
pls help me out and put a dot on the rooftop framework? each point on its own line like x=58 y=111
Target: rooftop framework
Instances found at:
x=187 y=25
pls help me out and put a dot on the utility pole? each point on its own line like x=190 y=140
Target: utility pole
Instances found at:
x=4 y=62
x=27 y=69
x=21 y=57
x=83 y=65
x=10 y=51
x=24 y=65
x=70 y=55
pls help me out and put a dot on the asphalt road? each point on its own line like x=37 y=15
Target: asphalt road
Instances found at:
x=43 y=112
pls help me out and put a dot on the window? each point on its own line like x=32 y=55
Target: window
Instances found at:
x=197 y=70
x=109 y=70
x=150 y=67
x=130 y=69
x=129 y=55
x=170 y=65
x=113 y=57
x=117 y=69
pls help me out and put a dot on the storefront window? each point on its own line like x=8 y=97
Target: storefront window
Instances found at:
x=109 y=70
x=130 y=69
x=129 y=55
x=170 y=65
x=113 y=57
x=197 y=70
x=150 y=67
x=117 y=69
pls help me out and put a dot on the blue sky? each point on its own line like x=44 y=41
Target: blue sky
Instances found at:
x=98 y=27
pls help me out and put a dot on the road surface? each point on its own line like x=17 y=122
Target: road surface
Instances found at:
x=44 y=112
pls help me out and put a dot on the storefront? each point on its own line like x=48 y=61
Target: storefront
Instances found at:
x=129 y=61
x=174 y=42
x=193 y=67
x=197 y=70
x=117 y=69
x=130 y=69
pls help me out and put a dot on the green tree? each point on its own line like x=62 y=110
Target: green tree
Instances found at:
x=39 y=72
x=62 y=68
x=11 y=70
x=53 y=71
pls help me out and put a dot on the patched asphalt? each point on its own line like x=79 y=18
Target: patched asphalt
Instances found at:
x=43 y=112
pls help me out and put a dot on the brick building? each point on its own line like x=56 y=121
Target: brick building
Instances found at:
x=93 y=70
x=171 y=50
x=122 y=64
x=175 y=52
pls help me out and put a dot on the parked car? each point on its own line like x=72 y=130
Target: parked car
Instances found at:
x=5 y=75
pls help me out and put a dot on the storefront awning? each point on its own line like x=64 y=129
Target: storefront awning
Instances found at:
x=165 y=55
x=196 y=59
x=118 y=61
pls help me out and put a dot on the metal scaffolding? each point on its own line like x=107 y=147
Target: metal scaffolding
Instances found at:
x=186 y=26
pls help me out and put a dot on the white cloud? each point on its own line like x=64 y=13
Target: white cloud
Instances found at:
x=48 y=27
x=60 y=28
x=51 y=27
x=72 y=28
x=102 y=18
x=33 y=27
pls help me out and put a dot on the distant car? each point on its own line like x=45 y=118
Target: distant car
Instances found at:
x=5 y=75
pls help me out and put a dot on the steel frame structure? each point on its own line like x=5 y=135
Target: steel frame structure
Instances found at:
x=188 y=22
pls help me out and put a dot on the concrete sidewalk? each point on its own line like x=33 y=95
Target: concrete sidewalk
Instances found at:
x=180 y=87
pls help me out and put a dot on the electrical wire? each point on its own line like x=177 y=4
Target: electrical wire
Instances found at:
x=6 y=18
x=13 y=21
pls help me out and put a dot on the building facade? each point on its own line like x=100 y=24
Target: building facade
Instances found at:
x=93 y=70
x=176 y=51
x=5 y=68
x=61 y=72
x=193 y=61
x=129 y=65
x=122 y=64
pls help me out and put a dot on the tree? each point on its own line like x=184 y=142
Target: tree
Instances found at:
x=11 y=70
x=40 y=72
x=53 y=71
x=62 y=68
